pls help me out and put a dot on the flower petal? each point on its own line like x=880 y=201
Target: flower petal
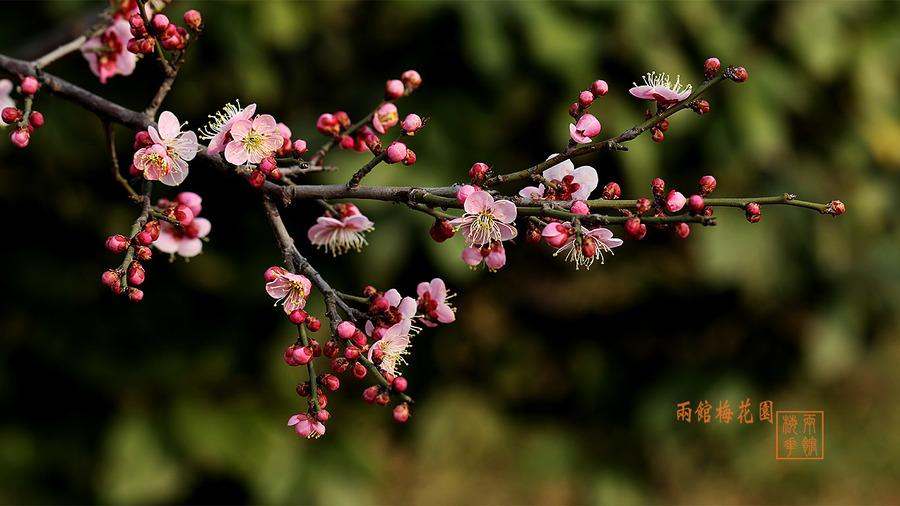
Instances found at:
x=478 y=201
x=168 y=125
x=586 y=176
x=504 y=210
x=235 y=153
x=190 y=247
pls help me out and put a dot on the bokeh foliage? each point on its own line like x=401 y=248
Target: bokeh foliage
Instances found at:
x=553 y=386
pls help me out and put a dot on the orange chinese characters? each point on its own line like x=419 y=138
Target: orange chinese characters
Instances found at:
x=683 y=413
x=745 y=415
x=723 y=412
x=765 y=411
x=703 y=410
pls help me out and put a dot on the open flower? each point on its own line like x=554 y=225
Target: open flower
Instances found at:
x=485 y=220
x=433 y=303
x=218 y=131
x=659 y=87
x=591 y=246
x=385 y=118
x=106 y=53
x=153 y=161
x=493 y=256
x=6 y=87
x=186 y=241
x=579 y=186
x=253 y=141
x=342 y=234
x=394 y=343
x=399 y=309
x=180 y=147
x=307 y=426
x=290 y=289
x=585 y=128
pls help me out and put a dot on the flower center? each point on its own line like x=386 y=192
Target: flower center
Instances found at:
x=219 y=120
x=298 y=287
x=157 y=162
x=484 y=229
x=253 y=141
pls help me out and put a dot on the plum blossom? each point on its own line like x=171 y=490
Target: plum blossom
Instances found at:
x=589 y=247
x=307 y=426
x=166 y=159
x=6 y=87
x=253 y=141
x=571 y=183
x=394 y=343
x=218 y=130
x=385 y=118
x=493 y=256
x=187 y=240
x=107 y=54
x=290 y=289
x=433 y=303
x=399 y=309
x=486 y=220
x=659 y=87
x=342 y=234
x=585 y=128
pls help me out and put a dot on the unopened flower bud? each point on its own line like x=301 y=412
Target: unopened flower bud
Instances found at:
x=117 y=243
x=183 y=214
x=313 y=324
x=396 y=152
x=737 y=74
x=370 y=393
x=135 y=295
x=30 y=85
x=394 y=89
x=299 y=146
x=411 y=124
x=323 y=415
x=382 y=399
x=143 y=253
x=347 y=142
x=342 y=118
x=136 y=274
x=159 y=23
x=556 y=234
x=441 y=230
x=663 y=125
x=257 y=178
x=267 y=164
x=695 y=204
x=109 y=278
x=478 y=172
x=351 y=353
x=634 y=228
x=346 y=329
x=836 y=207
x=359 y=338
x=401 y=413
x=359 y=370
x=642 y=205
x=711 y=67
x=599 y=88
x=272 y=273
x=193 y=19
x=700 y=106
x=327 y=124
x=411 y=79
x=297 y=316
x=675 y=201
x=657 y=135
x=11 y=115
x=331 y=349
x=331 y=382
x=658 y=186
x=399 y=384
x=339 y=365
x=682 y=230
x=302 y=355
x=707 y=185
x=753 y=212
x=581 y=208
x=144 y=238
x=585 y=128
x=585 y=99
x=20 y=137
x=574 y=109
x=410 y=157
x=612 y=191
x=464 y=191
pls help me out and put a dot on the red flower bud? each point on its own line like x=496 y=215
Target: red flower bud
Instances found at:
x=836 y=207
x=297 y=316
x=658 y=186
x=478 y=172
x=331 y=349
x=410 y=157
x=346 y=329
x=370 y=393
x=634 y=228
x=401 y=413
x=136 y=274
x=11 y=115
x=695 y=204
x=143 y=253
x=399 y=384
x=256 y=179
x=351 y=353
x=642 y=205
x=30 y=85
x=657 y=135
x=753 y=212
x=110 y=278
x=359 y=370
x=682 y=230
x=313 y=324
x=711 y=67
x=441 y=230
x=585 y=99
x=411 y=79
x=707 y=185
x=339 y=365
x=599 y=88
x=193 y=19
x=700 y=106
x=331 y=382
x=612 y=191
x=737 y=74
x=117 y=243
x=394 y=89
x=159 y=23
x=135 y=295
x=359 y=338
x=574 y=109
x=342 y=118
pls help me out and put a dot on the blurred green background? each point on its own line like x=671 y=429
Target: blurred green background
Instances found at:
x=554 y=386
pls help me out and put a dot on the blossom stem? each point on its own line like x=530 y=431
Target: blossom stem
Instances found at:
x=116 y=170
x=365 y=169
x=311 y=371
x=135 y=228
x=787 y=199
x=59 y=52
x=352 y=298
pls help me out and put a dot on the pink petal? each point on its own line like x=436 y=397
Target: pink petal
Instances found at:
x=643 y=92
x=408 y=307
x=190 y=247
x=422 y=288
x=278 y=288
x=264 y=123
x=532 y=192
x=560 y=170
x=167 y=242
x=358 y=223
x=203 y=226
x=471 y=256
x=216 y=144
x=445 y=314
x=246 y=112
x=154 y=135
x=294 y=420
x=438 y=290
x=507 y=232
x=586 y=176
x=478 y=201
x=168 y=125
x=576 y=136
x=240 y=129
x=235 y=153
x=393 y=297
x=504 y=211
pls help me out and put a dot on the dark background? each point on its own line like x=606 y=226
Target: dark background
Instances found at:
x=553 y=386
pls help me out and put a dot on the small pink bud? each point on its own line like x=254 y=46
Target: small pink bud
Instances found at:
x=193 y=19
x=612 y=191
x=657 y=135
x=599 y=88
x=142 y=139
x=675 y=200
x=346 y=329
x=585 y=99
x=351 y=353
x=642 y=205
x=20 y=137
x=359 y=370
x=411 y=124
x=256 y=179
x=327 y=124
x=478 y=172
x=143 y=253
x=135 y=295
x=313 y=324
x=394 y=89
x=635 y=229
x=700 y=106
x=159 y=23
x=136 y=274
x=574 y=109
x=379 y=304
x=396 y=152
x=370 y=393
x=836 y=207
x=339 y=365
x=323 y=415
x=152 y=228
x=556 y=234
x=738 y=75
x=385 y=118
x=272 y=273
x=144 y=238
x=382 y=399
x=658 y=186
x=441 y=230
x=109 y=278
x=411 y=79
x=753 y=212
x=331 y=382
x=695 y=204
x=136 y=21
x=302 y=355
x=331 y=349
x=347 y=142
x=299 y=146
x=267 y=164
x=585 y=128
x=30 y=85
x=707 y=185
x=399 y=384
x=11 y=115
x=117 y=243
x=580 y=207
x=464 y=191
x=711 y=67
x=401 y=413
x=410 y=157
x=682 y=230
x=359 y=339
x=183 y=214
x=297 y=316
x=148 y=45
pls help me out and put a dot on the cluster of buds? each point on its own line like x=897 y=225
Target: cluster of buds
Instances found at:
x=586 y=125
x=24 y=122
x=399 y=152
x=395 y=88
x=162 y=31
x=666 y=203
x=125 y=279
x=267 y=168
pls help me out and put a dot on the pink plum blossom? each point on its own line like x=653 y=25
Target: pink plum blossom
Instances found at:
x=659 y=87
x=585 y=177
x=399 y=308
x=290 y=289
x=593 y=244
x=394 y=343
x=464 y=191
x=253 y=140
x=180 y=147
x=493 y=256
x=186 y=241
x=486 y=220
x=307 y=426
x=585 y=128
x=107 y=54
x=342 y=234
x=218 y=131
x=556 y=234
x=675 y=201
x=153 y=161
x=433 y=303
x=385 y=118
